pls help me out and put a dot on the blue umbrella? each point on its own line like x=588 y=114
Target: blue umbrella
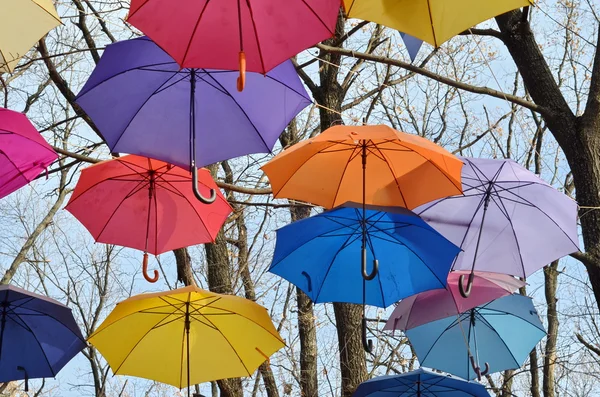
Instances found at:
x=501 y=334
x=38 y=336
x=420 y=383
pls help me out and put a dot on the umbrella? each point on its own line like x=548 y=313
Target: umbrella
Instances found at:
x=24 y=153
x=144 y=104
x=321 y=253
x=507 y=220
x=397 y=169
x=146 y=204
x=22 y=24
x=222 y=34
x=420 y=383
x=38 y=335
x=413 y=45
x=501 y=333
x=433 y=21
x=186 y=336
x=440 y=303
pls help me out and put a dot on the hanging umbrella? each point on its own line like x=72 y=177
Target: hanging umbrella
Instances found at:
x=186 y=336
x=38 y=335
x=507 y=220
x=433 y=21
x=436 y=304
x=144 y=104
x=412 y=44
x=22 y=24
x=322 y=253
x=24 y=153
x=222 y=34
x=420 y=383
x=500 y=334
x=146 y=204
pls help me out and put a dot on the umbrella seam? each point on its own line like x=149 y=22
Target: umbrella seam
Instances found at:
x=353 y=151
x=318 y=17
x=255 y=29
x=193 y=34
x=46 y=11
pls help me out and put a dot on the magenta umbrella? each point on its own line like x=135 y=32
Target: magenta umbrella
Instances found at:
x=436 y=304
x=24 y=153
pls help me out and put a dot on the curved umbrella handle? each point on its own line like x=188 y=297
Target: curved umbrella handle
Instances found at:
x=478 y=369
x=465 y=291
x=365 y=275
x=367 y=343
x=19 y=368
x=199 y=196
x=241 y=81
x=145 y=270
x=308 y=279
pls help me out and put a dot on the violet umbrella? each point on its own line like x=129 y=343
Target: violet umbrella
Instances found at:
x=24 y=153
x=507 y=220
x=144 y=104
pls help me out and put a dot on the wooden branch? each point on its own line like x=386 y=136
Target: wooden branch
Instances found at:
x=587 y=344
x=583 y=258
x=442 y=79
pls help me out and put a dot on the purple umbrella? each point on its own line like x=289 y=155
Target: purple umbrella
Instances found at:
x=24 y=153
x=507 y=220
x=143 y=103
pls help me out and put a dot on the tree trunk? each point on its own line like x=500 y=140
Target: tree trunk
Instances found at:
x=309 y=383
x=551 y=285
x=184 y=266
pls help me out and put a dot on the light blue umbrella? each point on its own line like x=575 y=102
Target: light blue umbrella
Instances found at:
x=501 y=334
x=420 y=383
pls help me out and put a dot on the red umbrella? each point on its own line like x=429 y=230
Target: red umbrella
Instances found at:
x=148 y=205
x=210 y=34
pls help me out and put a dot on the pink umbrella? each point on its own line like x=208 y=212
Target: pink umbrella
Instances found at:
x=24 y=153
x=436 y=304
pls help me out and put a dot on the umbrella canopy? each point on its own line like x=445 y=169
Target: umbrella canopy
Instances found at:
x=144 y=104
x=38 y=335
x=186 y=336
x=326 y=169
x=419 y=383
x=507 y=220
x=500 y=334
x=211 y=34
x=22 y=24
x=146 y=204
x=24 y=153
x=320 y=253
x=433 y=21
x=440 y=303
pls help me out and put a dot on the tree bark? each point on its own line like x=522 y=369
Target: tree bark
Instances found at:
x=550 y=288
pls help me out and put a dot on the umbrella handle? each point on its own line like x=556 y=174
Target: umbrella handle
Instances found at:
x=465 y=291
x=367 y=343
x=241 y=81
x=19 y=368
x=199 y=196
x=308 y=280
x=145 y=270
x=366 y=275
x=478 y=369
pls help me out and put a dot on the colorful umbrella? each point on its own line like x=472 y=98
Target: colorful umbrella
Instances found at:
x=144 y=104
x=433 y=21
x=321 y=253
x=440 y=303
x=146 y=204
x=38 y=335
x=501 y=333
x=399 y=169
x=211 y=34
x=22 y=24
x=24 y=153
x=186 y=336
x=420 y=383
x=507 y=220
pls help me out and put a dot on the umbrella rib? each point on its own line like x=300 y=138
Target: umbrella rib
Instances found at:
x=142 y=106
x=288 y=87
x=318 y=17
x=43 y=314
x=40 y=346
x=73 y=199
x=393 y=175
x=339 y=185
x=262 y=62
x=49 y=13
x=487 y=324
x=187 y=49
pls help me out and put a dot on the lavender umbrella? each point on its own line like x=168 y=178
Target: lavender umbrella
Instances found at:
x=144 y=104
x=507 y=220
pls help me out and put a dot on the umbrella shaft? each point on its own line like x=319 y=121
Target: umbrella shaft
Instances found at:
x=187 y=342
x=193 y=118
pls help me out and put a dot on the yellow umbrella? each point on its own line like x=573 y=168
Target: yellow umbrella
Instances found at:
x=22 y=23
x=186 y=336
x=433 y=21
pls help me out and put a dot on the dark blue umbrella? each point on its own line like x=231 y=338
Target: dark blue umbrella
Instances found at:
x=38 y=335
x=420 y=383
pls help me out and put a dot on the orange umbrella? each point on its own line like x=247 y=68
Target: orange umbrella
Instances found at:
x=374 y=165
